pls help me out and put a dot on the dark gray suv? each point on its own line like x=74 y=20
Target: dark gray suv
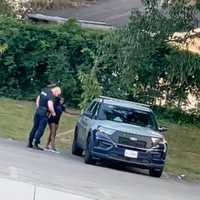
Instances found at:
x=117 y=130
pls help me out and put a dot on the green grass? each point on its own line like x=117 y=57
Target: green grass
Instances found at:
x=16 y=122
x=184 y=150
x=184 y=140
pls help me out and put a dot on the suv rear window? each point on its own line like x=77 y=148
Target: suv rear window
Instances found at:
x=127 y=115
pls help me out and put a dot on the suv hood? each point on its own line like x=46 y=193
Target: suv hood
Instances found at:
x=128 y=128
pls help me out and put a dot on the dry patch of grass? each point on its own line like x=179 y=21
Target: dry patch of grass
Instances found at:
x=56 y=4
x=66 y=131
x=46 y=4
x=22 y=6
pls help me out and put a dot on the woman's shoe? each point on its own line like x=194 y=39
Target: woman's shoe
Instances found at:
x=54 y=150
x=46 y=148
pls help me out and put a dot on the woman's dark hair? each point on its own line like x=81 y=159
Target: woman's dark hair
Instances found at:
x=57 y=100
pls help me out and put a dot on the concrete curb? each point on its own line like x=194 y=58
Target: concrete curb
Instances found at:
x=15 y=190
x=56 y=19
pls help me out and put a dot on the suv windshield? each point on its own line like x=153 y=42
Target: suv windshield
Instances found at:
x=127 y=115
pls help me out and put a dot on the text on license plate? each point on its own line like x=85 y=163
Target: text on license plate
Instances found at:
x=130 y=154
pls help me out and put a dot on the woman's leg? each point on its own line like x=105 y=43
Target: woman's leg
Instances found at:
x=53 y=136
x=50 y=135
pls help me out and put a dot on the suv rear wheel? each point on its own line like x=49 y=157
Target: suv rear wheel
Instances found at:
x=76 y=150
x=88 y=150
x=156 y=172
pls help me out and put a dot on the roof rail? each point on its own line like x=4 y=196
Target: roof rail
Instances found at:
x=120 y=100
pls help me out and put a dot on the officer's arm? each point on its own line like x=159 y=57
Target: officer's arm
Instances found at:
x=37 y=101
x=51 y=108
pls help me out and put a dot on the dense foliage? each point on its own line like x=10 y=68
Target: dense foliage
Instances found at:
x=5 y=8
x=32 y=55
x=135 y=62
x=198 y=5
x=90 y=87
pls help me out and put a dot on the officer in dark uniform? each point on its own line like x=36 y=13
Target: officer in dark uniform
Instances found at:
x=44 y=104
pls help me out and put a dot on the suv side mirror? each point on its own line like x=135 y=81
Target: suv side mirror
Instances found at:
x=162 y=129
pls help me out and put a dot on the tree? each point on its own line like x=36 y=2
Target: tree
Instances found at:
x=90 y=87
x=135 y=58
x=30 y=55
x=5 y=8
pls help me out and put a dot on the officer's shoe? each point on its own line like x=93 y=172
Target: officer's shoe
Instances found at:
x=30 y=145
x=38 y=147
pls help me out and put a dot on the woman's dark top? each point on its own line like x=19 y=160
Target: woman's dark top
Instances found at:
x=59 y=108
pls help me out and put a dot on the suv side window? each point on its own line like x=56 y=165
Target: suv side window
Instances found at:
x=95 y=108
x=90 y=107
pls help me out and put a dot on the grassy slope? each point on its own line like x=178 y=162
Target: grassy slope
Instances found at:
x=16 y=122
x=184 y=150
x=184 y=141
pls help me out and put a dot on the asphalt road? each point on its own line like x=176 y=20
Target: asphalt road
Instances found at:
x=69 y=173
x=113 y=12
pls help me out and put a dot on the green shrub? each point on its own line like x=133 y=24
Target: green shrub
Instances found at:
x=5 y=8
x=33 y=54
x=90 y=86
x=198 y=5
x=176 y=115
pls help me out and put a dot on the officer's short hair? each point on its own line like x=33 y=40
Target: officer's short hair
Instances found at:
x=51 y=84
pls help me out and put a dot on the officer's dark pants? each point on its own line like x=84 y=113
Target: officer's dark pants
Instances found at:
x=39 y=125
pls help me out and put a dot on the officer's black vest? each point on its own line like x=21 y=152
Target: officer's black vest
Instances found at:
x=45 y=96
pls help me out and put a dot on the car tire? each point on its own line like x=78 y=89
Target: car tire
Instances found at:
x=156 y=172
x=76 y=150
x=88 y=150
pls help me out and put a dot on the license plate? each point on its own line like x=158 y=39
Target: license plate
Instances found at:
x=130 y=154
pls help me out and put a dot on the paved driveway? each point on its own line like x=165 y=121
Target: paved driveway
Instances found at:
x=113 y=12
x=69 y=173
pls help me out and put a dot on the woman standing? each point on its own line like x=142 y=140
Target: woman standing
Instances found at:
x=53 y=122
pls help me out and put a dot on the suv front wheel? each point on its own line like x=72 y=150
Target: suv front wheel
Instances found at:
x=156 y=172
x=88 y=151
x=76 y=150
